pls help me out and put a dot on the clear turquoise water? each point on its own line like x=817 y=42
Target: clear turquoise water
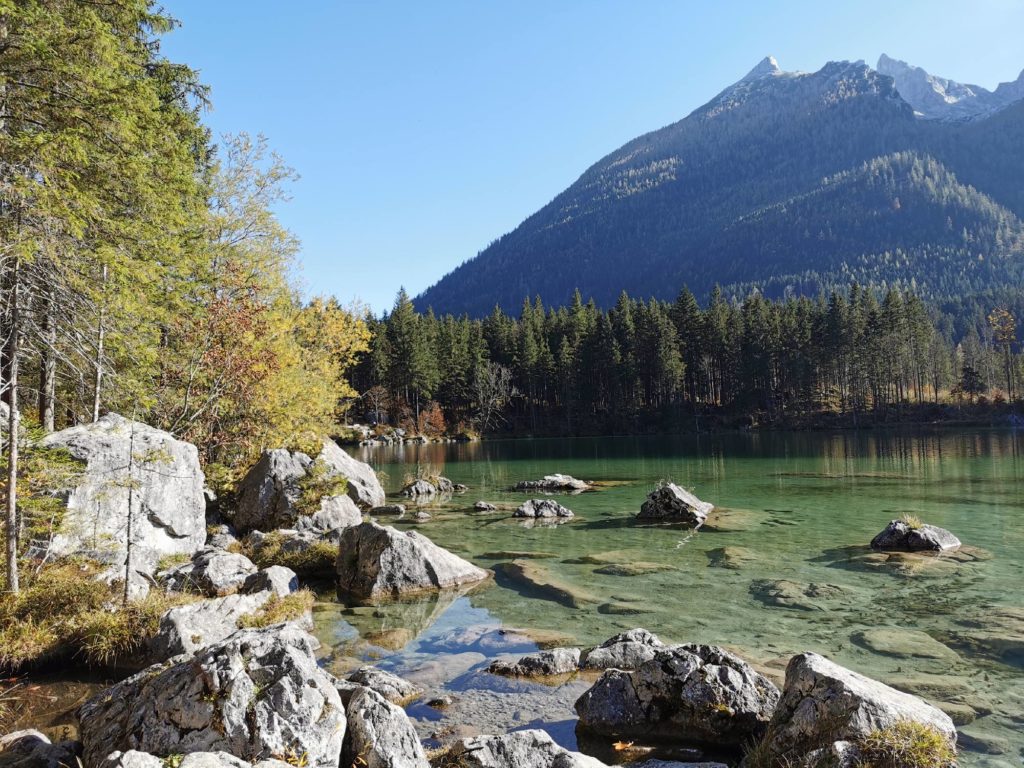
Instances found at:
x=795 y=507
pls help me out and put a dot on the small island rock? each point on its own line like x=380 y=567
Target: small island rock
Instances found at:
x=670 y=503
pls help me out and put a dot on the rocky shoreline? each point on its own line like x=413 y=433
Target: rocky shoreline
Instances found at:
x=233 y=677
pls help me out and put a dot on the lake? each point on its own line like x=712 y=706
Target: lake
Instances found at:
x=781 y=567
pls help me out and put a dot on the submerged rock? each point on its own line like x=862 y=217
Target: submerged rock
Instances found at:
x=823 y=702
x=539 y=579
x=170 y=513
x=484 y=506
x=290 y=489
x=732 y=558
x=380 y=562
x=553 y=483
x=627 y=650
x=30 y=748
x=380 y=734
x=542 y=508
x=901 y=536
x=521 y=749
x=782 y=593
x=670 y=503
x=557 y=661
x=257 y=694
x=690 y=693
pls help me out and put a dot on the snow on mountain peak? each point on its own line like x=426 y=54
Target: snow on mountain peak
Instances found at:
x=767 y=66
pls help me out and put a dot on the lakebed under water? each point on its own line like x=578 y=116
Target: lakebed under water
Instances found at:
x=781 y=567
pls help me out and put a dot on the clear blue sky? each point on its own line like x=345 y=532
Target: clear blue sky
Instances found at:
x=424 y=130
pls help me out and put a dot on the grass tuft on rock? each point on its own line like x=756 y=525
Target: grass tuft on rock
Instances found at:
x=278 y=610
x=912 y=521
x=906 y=744
x=316 y=559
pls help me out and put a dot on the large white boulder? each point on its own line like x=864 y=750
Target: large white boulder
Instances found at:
x=166 y=484
x=376 y=562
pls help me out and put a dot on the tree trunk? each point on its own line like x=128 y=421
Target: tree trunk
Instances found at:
x=13 y=354
x=101 y=332
x=131 y=502
x=48 y=365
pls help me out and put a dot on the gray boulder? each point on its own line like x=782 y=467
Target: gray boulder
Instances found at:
x=542 y=508
x=392 y=687
x=135 y=759
x=188 y=628
x=557 y=661
x=221 y=536
x=212 y=572
x=169 y=514
x=520 y=749
x=900 y=536
x=670 y=503
x=389 y=509
x=276 y=579
x=380 y=562
x=271 y=494
x=301 y=550
x=692 y=693
x=553 y=484
x=380 y=734
x=823 y=702
x=256 y=695
x=627 y=650
x=484 y=506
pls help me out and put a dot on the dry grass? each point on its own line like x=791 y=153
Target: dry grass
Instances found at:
x=912 y=521
x=317 y=559
x=278 y=610
x=65 y=609
x=906 y=745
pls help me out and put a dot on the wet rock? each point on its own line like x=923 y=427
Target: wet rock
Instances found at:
x=170 y=516
x=380 y=562
x=521 y=749
x=904 y=644
x=212 y=572
x=517 y=554
x=996 y=632
x=391 y=687
x=558 y=661
x=821 y=698
x=188 y=628
x=732 y=558
x=30 y=748
x=627 y=650
x=258 y=693
x=623 y=609
x=782 y=593
x=900 y=535
x=276 y=579
x=696 y=693
x=553 y=484
x=272 y=494
x=420 y=489
x=670 y=503
x=640 y=568
x=484 y=506
x=380 y=734
x=389 y=509
x=539 y=580
x=542 y=508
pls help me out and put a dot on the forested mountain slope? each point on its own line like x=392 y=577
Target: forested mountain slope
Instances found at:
x=788 y=182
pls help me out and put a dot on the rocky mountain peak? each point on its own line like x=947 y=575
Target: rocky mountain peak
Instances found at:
x=767 y=66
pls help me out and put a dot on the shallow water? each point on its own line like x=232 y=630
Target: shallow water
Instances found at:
x=799 y=508
x=796 y=508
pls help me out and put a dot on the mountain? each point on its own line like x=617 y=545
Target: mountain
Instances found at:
x=784 y=182
x=938 y=98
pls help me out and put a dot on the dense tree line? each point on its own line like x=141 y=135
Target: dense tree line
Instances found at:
x=142 y=269
x=654 y=365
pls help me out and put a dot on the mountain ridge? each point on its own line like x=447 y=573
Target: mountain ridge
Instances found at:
x=654 y=214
